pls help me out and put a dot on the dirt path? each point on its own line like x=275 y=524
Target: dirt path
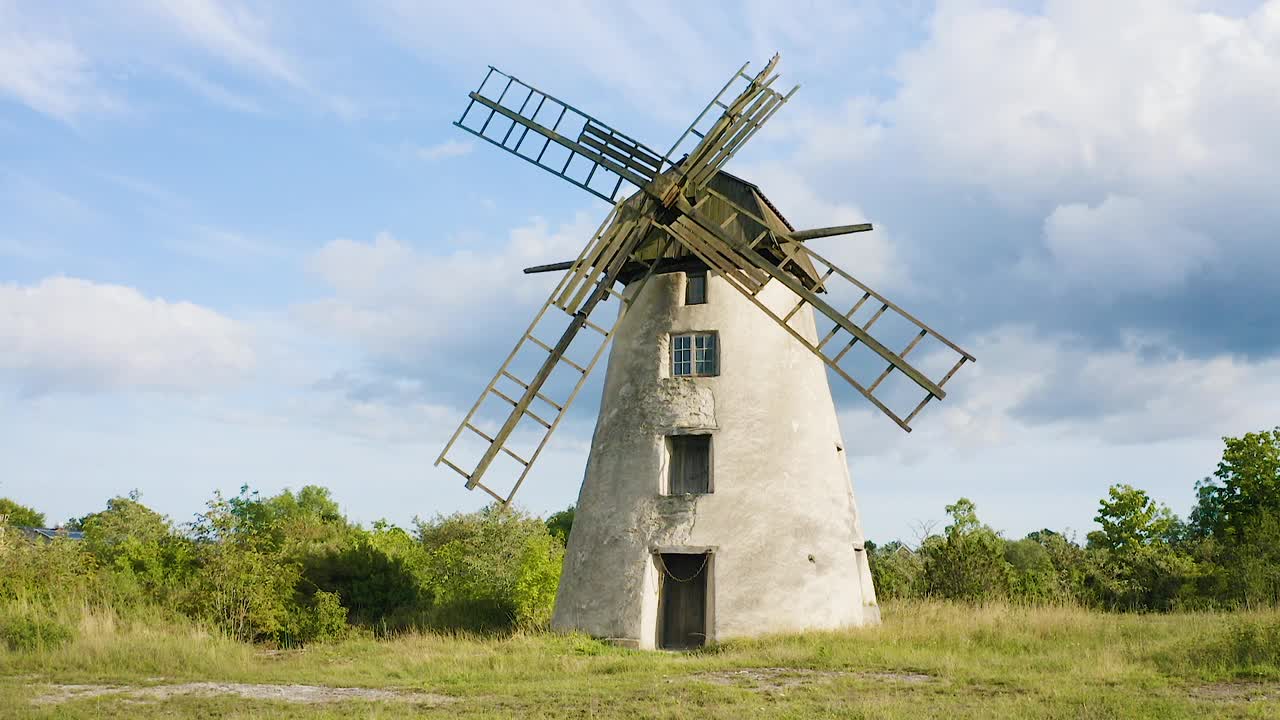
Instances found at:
x=286 y=693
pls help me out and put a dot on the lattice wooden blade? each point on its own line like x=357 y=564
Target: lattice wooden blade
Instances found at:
x=755 y=103
x=730 y=257
x=558 y=137
x=587 y=283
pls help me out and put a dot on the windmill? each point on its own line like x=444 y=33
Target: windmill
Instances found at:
x=716 y=500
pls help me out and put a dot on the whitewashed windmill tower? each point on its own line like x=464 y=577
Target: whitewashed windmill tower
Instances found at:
x=717 y=501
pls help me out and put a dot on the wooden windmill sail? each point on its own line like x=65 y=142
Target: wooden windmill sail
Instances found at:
x=670 y=211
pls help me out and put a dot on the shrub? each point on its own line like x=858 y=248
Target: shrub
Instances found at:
x=140 y=546
x=43 y=572
x=29 y=633
x=378 y=573
x=967 y=562
x=242 y=591
x=322 y=619
x=896 y=571
x=1250 y=644
x=492 y=570
x=1032 y=577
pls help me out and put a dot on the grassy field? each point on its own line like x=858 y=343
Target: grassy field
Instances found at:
x=926 y=660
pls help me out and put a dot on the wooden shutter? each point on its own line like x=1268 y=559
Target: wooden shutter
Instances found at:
x=690 y=464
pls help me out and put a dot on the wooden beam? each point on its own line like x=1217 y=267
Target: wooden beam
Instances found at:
x=641 y=153
x=620 y=157
x=829 y=231
x=665 y=265
x=553 y=267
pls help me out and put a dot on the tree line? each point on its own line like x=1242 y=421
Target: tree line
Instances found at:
x=291 y=568
x=1225 y=554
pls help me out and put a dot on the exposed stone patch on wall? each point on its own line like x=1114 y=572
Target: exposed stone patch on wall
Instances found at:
x=680 y=403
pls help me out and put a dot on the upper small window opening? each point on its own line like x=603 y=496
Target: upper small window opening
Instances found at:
x=695 y=288
x=690 y=465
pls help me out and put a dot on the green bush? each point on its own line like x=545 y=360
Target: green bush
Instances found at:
x=896 y=571
x=492 y=570
x=378 y=573
x=321 y=619
x=140 y=546
x=28 y=633
x=1031 y=575
x=42 y=572
x=245 y=593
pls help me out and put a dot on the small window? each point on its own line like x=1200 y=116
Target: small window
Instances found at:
x=695 y=288
x=690 y=464
x=694 y=355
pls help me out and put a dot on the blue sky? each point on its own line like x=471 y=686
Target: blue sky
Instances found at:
x=242 y=243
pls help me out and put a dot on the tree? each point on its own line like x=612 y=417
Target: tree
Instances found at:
x=1130 y=519
x=967 y=562
x=1245 y=489
x=1237 y=519
x=15 y=515
x=1135 y=563
x=561 y=523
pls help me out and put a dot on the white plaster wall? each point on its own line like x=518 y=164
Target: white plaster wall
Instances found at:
x=782 y=493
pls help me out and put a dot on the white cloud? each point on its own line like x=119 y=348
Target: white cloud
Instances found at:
x=71 y=334
x=1150 y=93
x=1037 y=430
x=394 y=298
x=49 y=75
x=1029 y=388
x=68 y=62
x=1123 y=245
x=233 y=33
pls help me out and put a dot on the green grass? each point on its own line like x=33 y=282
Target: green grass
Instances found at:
x=992 y=661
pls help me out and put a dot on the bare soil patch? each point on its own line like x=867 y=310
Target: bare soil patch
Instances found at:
x=1238 y=691
x=773 y=679
x=287 y=693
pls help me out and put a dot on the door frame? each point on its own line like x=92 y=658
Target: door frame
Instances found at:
x=709 y=612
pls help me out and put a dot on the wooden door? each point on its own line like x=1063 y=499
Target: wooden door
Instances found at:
x=682 y=601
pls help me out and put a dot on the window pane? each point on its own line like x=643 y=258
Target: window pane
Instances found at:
x=705 y=354
x=681 y=355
